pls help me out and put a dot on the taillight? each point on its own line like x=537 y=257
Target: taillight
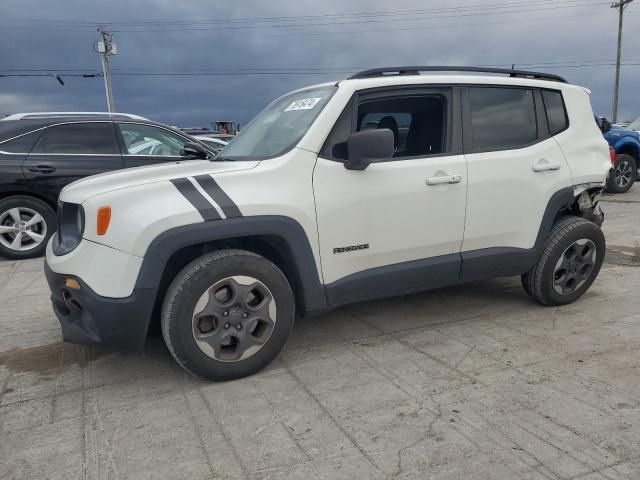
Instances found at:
x=612 y=154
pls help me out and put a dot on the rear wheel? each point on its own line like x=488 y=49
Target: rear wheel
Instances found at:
x=26 y=224
x=227 y=314
x=570 y=262
x=623 y=174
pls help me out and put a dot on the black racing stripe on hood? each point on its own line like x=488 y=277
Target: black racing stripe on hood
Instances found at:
x=191 y=193
x=209 y=185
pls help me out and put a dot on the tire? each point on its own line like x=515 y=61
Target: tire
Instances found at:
x=231 y=320
x=622 y=175
x=567 y=255
x=18 y=238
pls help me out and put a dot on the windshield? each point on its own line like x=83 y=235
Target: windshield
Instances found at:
x=635 y=125
x=280 y=126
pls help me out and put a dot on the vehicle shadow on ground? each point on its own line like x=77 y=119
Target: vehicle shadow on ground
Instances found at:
x=346 y=325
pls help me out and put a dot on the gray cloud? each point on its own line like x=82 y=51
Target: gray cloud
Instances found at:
x=586 y=31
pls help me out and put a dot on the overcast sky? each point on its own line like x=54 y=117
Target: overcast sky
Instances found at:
x=334 y=37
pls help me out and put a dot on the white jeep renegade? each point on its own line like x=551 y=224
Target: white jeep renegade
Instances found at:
x=387 y=183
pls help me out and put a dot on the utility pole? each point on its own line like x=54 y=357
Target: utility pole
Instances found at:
x=105 y=47
x=621 y=5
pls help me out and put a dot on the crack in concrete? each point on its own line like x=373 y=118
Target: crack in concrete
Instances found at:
x=429 y=432
x=223 y=432
x=335 y=421
x=196 y=426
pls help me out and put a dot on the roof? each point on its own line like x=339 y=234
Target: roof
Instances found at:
x=11 y=128
x=46 y=115
x=392 y=76
x=415 y=70
x=451 y=79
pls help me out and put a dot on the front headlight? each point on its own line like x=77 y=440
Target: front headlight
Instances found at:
x=70 y=228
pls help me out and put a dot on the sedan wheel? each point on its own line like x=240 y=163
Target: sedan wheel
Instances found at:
x=22 y=229
x=624 y=174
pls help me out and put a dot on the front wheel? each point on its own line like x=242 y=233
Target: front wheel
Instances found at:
x=571 y=260
x=227 y=314
x=26 y=224
x=622 y=175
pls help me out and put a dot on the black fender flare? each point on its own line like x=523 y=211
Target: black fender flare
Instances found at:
x=288 y=230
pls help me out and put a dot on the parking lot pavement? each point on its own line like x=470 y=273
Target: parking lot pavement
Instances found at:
x=474 y=381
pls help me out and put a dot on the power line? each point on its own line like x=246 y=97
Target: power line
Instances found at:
x=425 y=27
x=408 y=29
x=512 y=8
x=82 y=75
x=561 y=63
x=285 y=72
x=452 y=9
x=367 y=21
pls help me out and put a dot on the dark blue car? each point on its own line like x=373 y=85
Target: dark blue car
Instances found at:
x=626 y=142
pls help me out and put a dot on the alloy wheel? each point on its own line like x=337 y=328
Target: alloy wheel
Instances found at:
x=234 y=318
x=623 y=173
x=574 y=266
x=22 y=229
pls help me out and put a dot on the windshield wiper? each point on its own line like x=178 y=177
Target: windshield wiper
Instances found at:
x=219 y=158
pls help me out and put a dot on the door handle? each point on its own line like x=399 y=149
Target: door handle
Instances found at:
x=543 y=165
x=42 y=169
x=442 y=179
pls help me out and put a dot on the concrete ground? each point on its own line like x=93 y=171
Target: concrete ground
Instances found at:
x=470 y=382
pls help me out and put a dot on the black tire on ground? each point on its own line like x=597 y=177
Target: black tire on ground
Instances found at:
x=33 y=239
x=181 y=321
x=622 y=175
x=568 y=243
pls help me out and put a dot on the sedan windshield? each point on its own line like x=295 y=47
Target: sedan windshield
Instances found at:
x=280 y=126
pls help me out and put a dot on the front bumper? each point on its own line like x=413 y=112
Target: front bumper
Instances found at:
x=89 y=319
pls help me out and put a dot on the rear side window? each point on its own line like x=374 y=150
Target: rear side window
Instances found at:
x=79 y=138
x=502 y=118
x=22 y=144
x=556 y=113
x=149 y=140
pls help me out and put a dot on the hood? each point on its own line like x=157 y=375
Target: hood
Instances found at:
x=81 y=190
x=617 y=133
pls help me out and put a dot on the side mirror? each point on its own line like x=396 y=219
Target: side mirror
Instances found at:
x=193 y=150
x=603 y=124
x=369 y=146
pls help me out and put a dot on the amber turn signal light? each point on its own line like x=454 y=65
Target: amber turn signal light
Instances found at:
x=104 y=217
x=72 y=283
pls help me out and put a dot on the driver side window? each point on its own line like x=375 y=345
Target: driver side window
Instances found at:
x=150 y=140
x=418 y=121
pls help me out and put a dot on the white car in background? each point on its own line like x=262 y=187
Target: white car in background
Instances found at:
x=214 y=143
x=635 y=125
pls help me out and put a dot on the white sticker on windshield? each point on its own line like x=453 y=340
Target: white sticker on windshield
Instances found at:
x=304 y=104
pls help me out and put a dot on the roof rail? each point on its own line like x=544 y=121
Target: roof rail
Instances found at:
x=391 y=71
x=41 y=115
